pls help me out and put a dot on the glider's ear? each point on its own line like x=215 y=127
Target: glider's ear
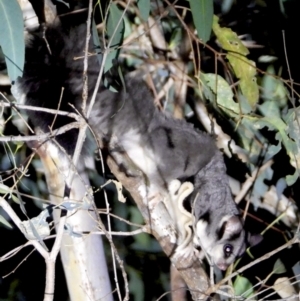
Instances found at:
x=254 y=239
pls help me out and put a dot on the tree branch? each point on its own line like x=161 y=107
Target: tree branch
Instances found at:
x=163 y=230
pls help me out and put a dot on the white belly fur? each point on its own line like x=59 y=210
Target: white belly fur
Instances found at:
x=141 y=156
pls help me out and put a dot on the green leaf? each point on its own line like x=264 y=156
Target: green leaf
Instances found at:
x=176 y=38
x=115 y=31
x=279 y=267
x=243 y=287
x=287 y=133
x=273 y=88
x=136 y=285
x=144 y=7
x=278 y=124
x=16 y=199
x=292 y=119
x=7 y=190
x=96 y=42
x=19 y=145
x=5 y=222
x=244 y=69
x=260 y=188
x=246 y=132
x=143 y=241
x=223 y=92
x=4 y=189
x=135 y=215
x=228 y=39
x=247 y=129
x=202 y=12
x=291 y=179
x=269 y=108
x=267 y=59
x=12 y=37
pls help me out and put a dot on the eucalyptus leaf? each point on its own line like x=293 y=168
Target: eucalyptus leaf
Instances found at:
x=291 y=179
x=15 y=199
x=5 y=222
x=7 y=190
x=228 y=39
x=246 y=132
x=273 y=88
x=202 y=12
x=4 y=189
x=115 y=31
x=226 y=6
x=292 y=119
x=144 y=7
x=142 y=241
x=223 y=92
x=267 y=59
x=205 y=90
x=280 y=187
x=243 y=287
x=269 y=109
x=285 y=130
x=19 y=146
x=275 y=123
x=245 y=70
x=12 y=37
x=247 y=129
x=279 y=267
x=260 y=188
x=96 y=42
x=176 y=38
x=136 y=285
x=135 y=215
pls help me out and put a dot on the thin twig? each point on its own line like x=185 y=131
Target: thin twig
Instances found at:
x=39 y=109
x=42 y=137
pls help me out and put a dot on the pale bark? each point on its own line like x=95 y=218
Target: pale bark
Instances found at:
x=82 y=257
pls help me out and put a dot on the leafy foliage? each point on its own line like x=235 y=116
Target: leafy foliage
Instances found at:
x=11 y=37
x=202 y=11
x=144 y=8
x=243 y=287
x=243 y=68
x=115 y=31
x=224 y=82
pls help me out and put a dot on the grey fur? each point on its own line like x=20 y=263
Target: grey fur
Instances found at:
x=175 y=143
x=161 y=147
x=180 y=152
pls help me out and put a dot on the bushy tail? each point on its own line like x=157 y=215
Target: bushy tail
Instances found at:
x=53 y=76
